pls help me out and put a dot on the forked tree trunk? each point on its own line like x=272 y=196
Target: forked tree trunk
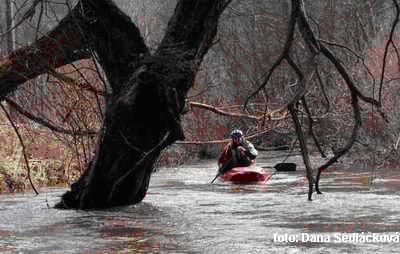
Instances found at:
x=143 y=114
x=140 y=122
x=147 y=92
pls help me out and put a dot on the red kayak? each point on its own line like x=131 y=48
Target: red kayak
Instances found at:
x=246 y=175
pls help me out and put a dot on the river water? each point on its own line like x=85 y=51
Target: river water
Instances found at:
x=184 y=213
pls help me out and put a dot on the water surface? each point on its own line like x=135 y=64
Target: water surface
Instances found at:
x=184 y=213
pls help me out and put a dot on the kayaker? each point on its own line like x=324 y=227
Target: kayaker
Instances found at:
x=237 y=153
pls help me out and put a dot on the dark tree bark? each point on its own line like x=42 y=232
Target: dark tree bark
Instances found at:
x=148 y=98
x=147 y=92
x=63 y=45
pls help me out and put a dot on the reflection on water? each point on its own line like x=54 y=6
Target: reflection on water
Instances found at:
x=183 y=213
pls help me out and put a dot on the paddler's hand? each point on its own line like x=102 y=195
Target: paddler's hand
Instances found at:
x=242 y=151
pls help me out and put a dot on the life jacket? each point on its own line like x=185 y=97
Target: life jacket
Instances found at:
x=227 y=153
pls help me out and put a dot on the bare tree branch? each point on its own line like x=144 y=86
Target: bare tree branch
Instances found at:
x=300 y=135
x=27 y=15
x=21 y=141
x=321 y=84
x=63 y=45
x=349 y=144
x=283 y=55
x=223 y=141
x=360 y=58
x=343 y=72
x=388 y=43
x=304 y=149
x=116 y=40
x=355 y=93
x=96 y=21
x=274 y=115
x=193 y=38
x=311 y=127
x=46 y=123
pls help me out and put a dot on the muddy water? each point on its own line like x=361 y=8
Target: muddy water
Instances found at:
x=183 y=213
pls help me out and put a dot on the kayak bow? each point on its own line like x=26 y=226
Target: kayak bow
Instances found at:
x=246 y=175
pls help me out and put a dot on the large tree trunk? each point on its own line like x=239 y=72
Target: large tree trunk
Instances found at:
x=143 y=114
x=140 y=122
x=147 y=92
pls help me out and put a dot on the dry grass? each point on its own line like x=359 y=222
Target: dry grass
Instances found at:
x=51 y=163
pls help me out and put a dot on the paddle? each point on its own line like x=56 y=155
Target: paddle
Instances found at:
x=218 y=174
x=222 y=170
x=284 y=166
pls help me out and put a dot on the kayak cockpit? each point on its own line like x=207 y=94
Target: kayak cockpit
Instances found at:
x=246 y=175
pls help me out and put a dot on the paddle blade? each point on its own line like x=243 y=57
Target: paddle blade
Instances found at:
x=285 y=167
x=215 y=178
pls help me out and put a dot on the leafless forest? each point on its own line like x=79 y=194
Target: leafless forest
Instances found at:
x=101 y=92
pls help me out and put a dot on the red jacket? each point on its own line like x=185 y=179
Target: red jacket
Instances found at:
x=226 y=153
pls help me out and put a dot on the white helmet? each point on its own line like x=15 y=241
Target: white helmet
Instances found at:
x=238 y=134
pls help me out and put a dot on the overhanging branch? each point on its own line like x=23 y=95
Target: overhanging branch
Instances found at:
x=63 y=45
x=45 y=122
x=274 y=115
x=283 y=55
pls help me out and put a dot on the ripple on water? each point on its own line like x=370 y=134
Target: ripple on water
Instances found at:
x=184 y=213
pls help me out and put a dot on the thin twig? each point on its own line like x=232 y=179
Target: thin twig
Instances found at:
x=27 y=15
x=222 y=141
x=311 y=127
x=388 y=43
x=46 y=123
x=360 y=58
x=284 y=54
x=321 y=84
